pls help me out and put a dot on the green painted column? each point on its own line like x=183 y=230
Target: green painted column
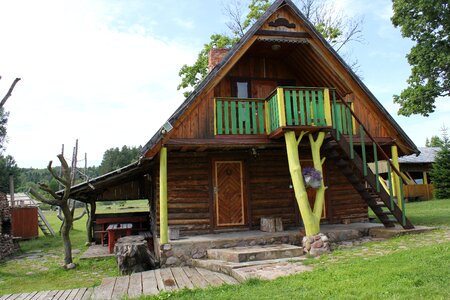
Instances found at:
x=163 y=219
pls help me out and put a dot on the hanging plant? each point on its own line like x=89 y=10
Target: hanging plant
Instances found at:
x=312 y=178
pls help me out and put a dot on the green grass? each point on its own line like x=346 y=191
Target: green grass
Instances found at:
x=45 y=273
x=407 y=267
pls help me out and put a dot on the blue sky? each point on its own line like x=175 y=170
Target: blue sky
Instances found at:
x=106 y=72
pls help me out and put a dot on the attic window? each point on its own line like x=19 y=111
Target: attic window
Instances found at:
x=240 y=88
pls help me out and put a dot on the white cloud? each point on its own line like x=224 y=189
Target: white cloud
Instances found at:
x=185 y=24
x=83 y=79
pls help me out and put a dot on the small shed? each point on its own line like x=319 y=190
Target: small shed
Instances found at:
x=416 y=168
x=24 y=216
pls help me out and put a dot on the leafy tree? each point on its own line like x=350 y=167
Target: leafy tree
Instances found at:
x=440 y=173
x=335 y=27
x=8 y=167
x=116 y=158
x=427 y=22
x=434 y=142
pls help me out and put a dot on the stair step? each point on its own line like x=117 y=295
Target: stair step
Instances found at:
x=255 y=253
x=237 y=270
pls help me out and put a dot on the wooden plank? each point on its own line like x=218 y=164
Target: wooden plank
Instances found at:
x=233 y=117
x=168 y=280
x=159 y=280
x=301 y=101
x=287 y=97
x=87 y=294
x=135 y=286
x=105 y=290
x=219 y=117
x=254 y=116
x=72 y=294
x=121 y=287
x=13 y=296
x=50 y=295
x=181 y=278
x=58 y=295
x=30 y=295
x=210 y=277
x=64 y=295
x=320 y=109
x=247 y=117
x=283 y=33
x=227 y=279
x=307 y=108
x=80 y=293
x=39 y=296
x=261 y=117
x=314 y=108
x=194 y=276
x=149 y=284
x=227 y=117
x=295 y=107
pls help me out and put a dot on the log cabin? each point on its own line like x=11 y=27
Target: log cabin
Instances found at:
x=220 y=162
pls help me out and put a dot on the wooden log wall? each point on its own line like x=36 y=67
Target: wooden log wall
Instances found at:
x=190 y=193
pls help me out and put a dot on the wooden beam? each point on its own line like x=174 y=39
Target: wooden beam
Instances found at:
x=396 y=178
x=283 y=33
x=163 y=218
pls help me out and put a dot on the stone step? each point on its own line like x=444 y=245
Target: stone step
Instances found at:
x=263 y=269
x=255 y=253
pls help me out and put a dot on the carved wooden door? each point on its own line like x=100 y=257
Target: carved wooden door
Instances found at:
x=229 y=195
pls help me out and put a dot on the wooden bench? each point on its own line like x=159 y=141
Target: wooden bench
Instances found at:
x=141 y=221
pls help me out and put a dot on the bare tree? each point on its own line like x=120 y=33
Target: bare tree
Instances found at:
x=62 y=201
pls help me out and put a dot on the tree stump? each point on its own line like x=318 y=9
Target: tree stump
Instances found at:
x=133 y=255
x=271 y=224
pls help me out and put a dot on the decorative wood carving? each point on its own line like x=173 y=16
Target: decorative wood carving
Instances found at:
x=282 y=22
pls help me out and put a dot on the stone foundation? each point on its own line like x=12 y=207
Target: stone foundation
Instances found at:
x=180 y=253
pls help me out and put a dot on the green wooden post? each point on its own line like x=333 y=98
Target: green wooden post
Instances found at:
x=307 y=108
x=402 y=203
x=241 y=117
x=247 y=117
x=363 y=149
x=254 y=114
x=350 y=133
x=377 y=175
x=301 y=102
x=163 y=218
x=391 y=185
x=219 y=117
x=227 y=118
x=233 y=117
x=261 y=117
x=320 y=109
x=295 y=106
x=287 y=97
x=314 y=108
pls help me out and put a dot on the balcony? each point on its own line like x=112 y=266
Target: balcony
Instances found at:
x=286 y=108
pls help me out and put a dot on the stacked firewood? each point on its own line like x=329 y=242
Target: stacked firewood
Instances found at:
x=7 y=246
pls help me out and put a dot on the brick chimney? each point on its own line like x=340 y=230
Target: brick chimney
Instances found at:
x=215 y=57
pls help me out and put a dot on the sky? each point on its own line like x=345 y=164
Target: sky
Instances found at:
x=105 y=72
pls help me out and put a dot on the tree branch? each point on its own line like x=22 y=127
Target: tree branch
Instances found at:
x=9 y=93
x=45 y=188
x=52 y=172
x=42 y=198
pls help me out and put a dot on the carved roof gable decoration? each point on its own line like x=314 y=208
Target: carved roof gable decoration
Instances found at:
x=282 y=22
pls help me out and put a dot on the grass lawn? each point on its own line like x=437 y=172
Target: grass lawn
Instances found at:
x=40 y=269
x=408 y=267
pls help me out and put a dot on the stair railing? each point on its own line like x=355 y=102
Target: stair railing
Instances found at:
x=337 y=123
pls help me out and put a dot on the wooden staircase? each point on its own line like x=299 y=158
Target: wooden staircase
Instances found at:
x=382 y=204
x=45 y=227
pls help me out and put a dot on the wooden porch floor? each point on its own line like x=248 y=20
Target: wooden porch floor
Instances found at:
x=135 y=285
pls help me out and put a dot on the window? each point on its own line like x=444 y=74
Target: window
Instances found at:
x=241 y=89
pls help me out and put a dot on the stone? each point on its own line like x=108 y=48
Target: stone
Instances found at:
x=174 y=233
x=76 y=251
x=166 y=247
x=252 y=243
x=317 y=244
x=271 y=224
x=133 y=255
x=70 y=266
x=318 y=251
x=172 y=261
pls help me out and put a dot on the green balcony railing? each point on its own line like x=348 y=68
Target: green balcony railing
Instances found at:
x=239 y=116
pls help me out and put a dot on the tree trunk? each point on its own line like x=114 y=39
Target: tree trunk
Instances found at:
x=65 y=233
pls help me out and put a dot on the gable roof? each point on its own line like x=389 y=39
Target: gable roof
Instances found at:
x=157 y=137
